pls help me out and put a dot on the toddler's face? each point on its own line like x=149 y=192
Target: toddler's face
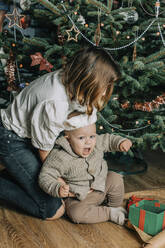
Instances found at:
x=82 y=140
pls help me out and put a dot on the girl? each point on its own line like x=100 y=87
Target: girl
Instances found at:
x=30 y=125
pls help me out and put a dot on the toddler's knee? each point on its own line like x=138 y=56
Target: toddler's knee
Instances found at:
x=76 y=214
x=116 y=180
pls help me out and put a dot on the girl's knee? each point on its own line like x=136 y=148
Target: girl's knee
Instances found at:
x=59 y=213
x=52 y=208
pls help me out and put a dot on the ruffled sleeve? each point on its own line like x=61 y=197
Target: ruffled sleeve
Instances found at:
x=47 y=122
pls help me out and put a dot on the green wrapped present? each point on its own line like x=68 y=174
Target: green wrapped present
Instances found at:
x=149 y=216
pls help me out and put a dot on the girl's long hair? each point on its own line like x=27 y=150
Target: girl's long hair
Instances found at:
x=89 y=77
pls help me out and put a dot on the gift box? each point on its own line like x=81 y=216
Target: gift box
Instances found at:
x=149 y=216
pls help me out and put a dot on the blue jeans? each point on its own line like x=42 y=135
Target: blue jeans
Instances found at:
x=21 y=188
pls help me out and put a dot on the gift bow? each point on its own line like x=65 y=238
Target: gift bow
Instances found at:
x=37 y=59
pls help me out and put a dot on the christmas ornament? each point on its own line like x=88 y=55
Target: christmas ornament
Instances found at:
x=125 y=105
x=37 y=59
x=25 y=21
x=14 y=18
x=81 y=20
x=134 y=53
x=25 y=4
x=2 y=17
x=23 y=85
x=73 y=30
x=10 y=73
x=130 y=17
x=97 y=36
x=150 y=106
x=61 y=37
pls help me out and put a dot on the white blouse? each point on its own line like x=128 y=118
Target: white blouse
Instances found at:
x=40 y=111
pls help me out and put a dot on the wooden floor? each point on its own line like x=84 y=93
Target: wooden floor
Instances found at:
x=20 y=231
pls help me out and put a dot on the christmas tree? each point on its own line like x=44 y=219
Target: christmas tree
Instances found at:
x=38 y=36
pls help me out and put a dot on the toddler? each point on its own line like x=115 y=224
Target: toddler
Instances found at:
x=78 y=159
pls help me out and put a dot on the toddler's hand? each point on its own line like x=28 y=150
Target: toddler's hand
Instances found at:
x=125 y=145
x=64 y=190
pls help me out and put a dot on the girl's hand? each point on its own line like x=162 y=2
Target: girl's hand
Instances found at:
x=64 y=190
x=125 y=145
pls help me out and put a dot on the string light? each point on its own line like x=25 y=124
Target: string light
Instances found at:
x=101 y=127
x=143 y=38
x=119 y=129
x=110 y=49
x=148 y=12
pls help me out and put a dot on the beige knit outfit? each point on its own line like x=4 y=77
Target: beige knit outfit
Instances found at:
x=82 y=174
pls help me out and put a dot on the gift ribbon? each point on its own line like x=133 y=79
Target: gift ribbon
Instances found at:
x=142 y=219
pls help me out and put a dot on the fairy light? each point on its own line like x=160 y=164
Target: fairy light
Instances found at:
x=86 y=25
x=110 y=49
x=101 y=127
x=158 y=33
x=120 y=129
x=128 y=37
x=117 y=32
x=143 y=38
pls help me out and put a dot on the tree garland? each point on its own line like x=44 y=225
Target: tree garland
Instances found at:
x=146 y=106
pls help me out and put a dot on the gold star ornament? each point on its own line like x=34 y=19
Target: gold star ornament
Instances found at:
x=15 y=19
x=73 y=31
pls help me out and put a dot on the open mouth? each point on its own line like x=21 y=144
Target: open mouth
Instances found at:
x=86 y=151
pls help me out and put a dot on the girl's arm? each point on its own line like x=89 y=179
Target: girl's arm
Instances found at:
x=43 y=154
